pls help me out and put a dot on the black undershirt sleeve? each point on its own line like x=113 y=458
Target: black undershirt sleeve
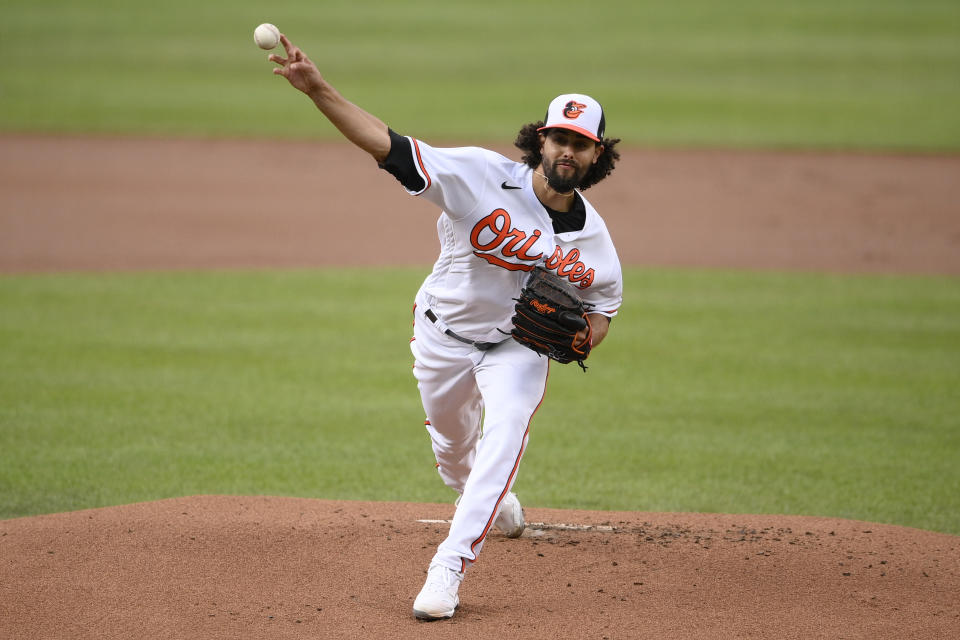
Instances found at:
x=399 y=163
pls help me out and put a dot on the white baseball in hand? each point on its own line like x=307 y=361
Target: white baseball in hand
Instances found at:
x=266 y=36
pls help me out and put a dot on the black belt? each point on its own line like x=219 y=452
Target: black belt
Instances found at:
x=480 y=346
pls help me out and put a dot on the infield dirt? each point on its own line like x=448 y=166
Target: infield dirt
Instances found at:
x=104 y=204
x=243 y=567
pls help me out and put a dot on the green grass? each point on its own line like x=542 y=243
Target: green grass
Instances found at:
x=716 y=391
x=867 y=74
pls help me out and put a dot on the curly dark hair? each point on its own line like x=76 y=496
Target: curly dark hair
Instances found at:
x=528 y=141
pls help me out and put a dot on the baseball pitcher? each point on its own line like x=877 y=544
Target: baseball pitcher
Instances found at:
x=527 y=274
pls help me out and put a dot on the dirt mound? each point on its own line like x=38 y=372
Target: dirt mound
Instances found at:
x=257 y=567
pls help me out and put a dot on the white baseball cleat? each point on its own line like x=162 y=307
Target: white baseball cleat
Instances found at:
x=438 y=599
x=510 y=518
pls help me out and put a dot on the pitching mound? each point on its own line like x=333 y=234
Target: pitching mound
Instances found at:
x=257 y=567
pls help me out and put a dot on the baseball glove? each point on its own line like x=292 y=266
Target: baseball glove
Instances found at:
x=549 y=318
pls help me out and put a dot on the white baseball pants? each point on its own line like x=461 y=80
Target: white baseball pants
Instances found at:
x=466 y=392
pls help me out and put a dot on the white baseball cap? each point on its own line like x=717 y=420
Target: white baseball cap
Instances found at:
x=576 y=112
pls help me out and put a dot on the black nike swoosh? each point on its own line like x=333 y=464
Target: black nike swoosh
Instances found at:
x=508 y=186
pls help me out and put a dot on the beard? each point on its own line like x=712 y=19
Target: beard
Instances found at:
x=559 y=183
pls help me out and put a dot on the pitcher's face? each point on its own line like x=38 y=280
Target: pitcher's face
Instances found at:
x=567 y=156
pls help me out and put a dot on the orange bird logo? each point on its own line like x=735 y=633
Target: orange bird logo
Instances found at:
x=572 y=110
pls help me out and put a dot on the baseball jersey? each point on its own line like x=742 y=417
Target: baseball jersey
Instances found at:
x=493 y=231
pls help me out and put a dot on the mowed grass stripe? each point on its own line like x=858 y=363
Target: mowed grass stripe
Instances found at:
x=862 y=74
x=716 y=391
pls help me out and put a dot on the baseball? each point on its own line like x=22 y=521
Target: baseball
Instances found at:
x=266 y=36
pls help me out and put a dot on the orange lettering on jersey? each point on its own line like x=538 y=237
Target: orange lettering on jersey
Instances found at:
x=523 y=251
x=499 y=262
x=497 y=222
x=569 y=266
x=515 y=243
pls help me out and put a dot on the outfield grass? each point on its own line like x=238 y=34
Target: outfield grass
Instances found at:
x=868 y=74
x=716 y=391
